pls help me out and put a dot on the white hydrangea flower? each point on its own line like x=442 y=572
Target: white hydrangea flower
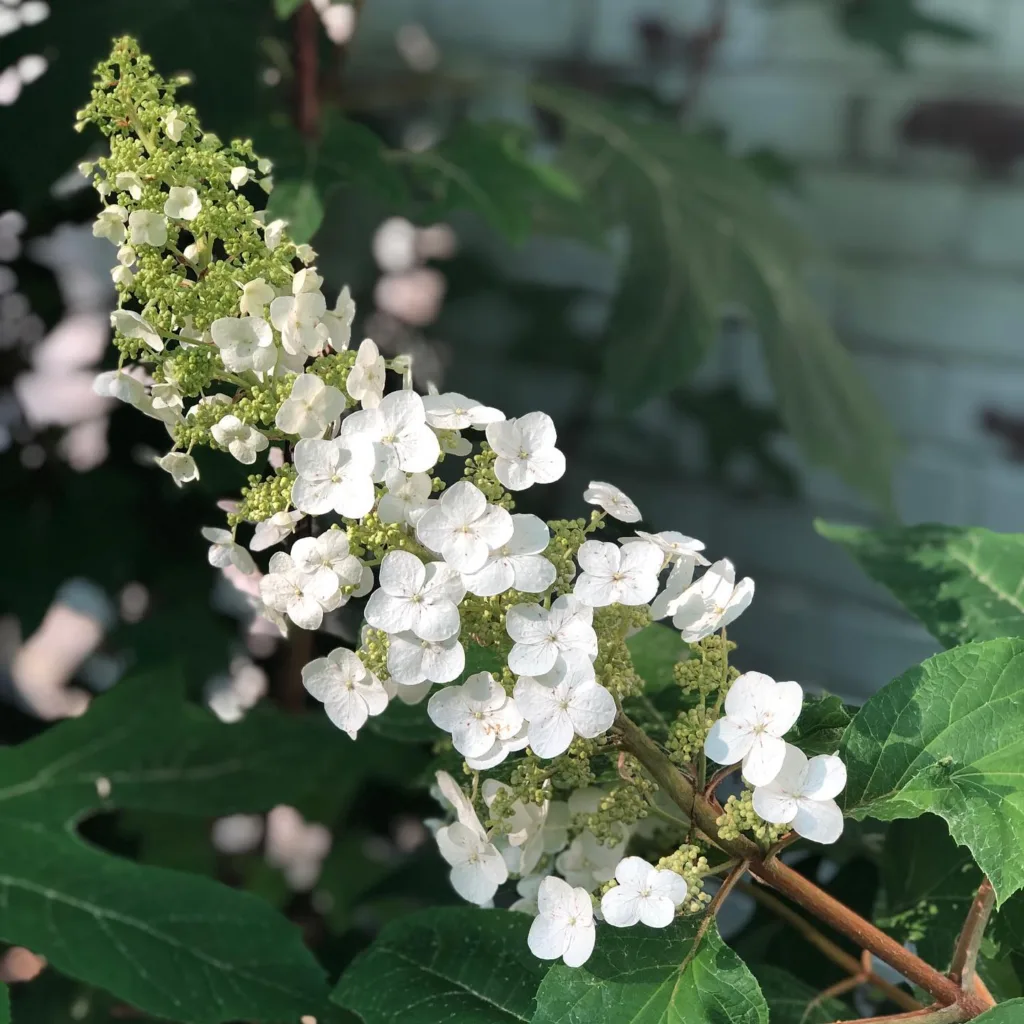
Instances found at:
x=182 y=203
x=758 y=713
x=678 y=596
x=311 y=405
x=130 y=182
x=589 y=863
x=122 y=386
x=243 y=441
x=412 y=661
x=541 y=634
x=527 y=888
x=408 y=495
x=126 y=255
x=256 y=296
x=109 y=224
x=297 y=318
x=713 y=602
x=274 y=530
x=148 y=228
x=414 y=693
x=121 y=276
x=477 y=714
x=501 y=749
x=303 y=597
x=273 y=233
x=564 y=703
x=398 y=428
x=803 y=795
x=532 y=830
x=453 y=443
x=477 y=867
x=338 y=321
x=167 y=402
x=676 y=547
x=131 y=325
x=306 y=280
x=173 y=125
x=366 y=378
x=644 y=894
x=349 y=692
x=329 y=550
x=517 y=563
x=182 y=467
x=334 y=476
x=224 y=551
x=564 y=925
x=526 y=451
x=417 y=598
x=452 y=411
x=240 y=176
x=617 y=575
x=463 y=528
x=614 y=501
x=245 y=343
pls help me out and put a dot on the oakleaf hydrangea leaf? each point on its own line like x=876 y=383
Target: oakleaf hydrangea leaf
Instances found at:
x=947 y=737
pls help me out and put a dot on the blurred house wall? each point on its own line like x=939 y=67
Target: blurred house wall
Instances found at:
x=922 y=271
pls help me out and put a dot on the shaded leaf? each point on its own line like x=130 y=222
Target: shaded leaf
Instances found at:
x=947 y=737
x=633 y=977
x=705 y=234
x=821 y=725
x=963 y=583
x=1004 y=1013
x=286 y=8
x=299 y=203
x=891 y=25
x=655 y=650
x=928 y=885
x=460 y=964
x=790 y=1000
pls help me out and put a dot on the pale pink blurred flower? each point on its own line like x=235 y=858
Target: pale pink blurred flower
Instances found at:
x=414 y=297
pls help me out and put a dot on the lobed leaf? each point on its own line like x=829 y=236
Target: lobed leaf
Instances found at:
x=792 y=1001
x=1005 y=1013
x=947 y=737
x=963 y=583
x=634 y=977
x=456 y=963
x=820 y=727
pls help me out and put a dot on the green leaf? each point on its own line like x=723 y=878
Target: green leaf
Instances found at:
x=890 y=25
x=928 y=885
x=350 y=153
x=655 y=650
x=820 y=727
x=947 y=737
x=286 y=8
x=176 y=945
x=706 y=234
x=484 y=168
x=5 y=1005
x=633 y=977
x=790 y=1000
x=453 y=964
x=1004 y=1013
x=964 y=583
x=299 y=203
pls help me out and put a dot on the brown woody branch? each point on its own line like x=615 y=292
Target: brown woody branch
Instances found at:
x=784 y=879
x=965 y=956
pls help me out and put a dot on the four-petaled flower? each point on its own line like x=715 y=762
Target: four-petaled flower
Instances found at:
x=244 y=442
x=245 y=343
x=407 y=496
x=349 y=692
x=182 y=467
x=412 y=661
x=338 y=321
x=564 y=925
x=131 y=325
x=564 y=703
x=224 y=551
x=676 y=547
x=330 y=551
x=333 y=476
x=615 y=502
x=297 y=317
x=109 y=224
x=147 y=227
x=302 y=596
x=517 y=563
x=803 y=795
x=256 y=296
x=274 y=530
x=758 y=713
x=617 y=575
x=452 y=411
x=311 y=405
x=398 y=428
x=526 y=451
x=644 y=894
x=477 y=714
x=712 y=602
x=182 y=203
x=463 y=528
x=366 y=378
x=417 y=598
x=541 y=634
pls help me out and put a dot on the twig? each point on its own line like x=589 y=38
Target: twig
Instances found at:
x=828 y=948
x=717 y=900
x=717 y=779
x=840 y=988
x=929 y=1015
x=779 y=876
x=965 y=956
x=307 y=85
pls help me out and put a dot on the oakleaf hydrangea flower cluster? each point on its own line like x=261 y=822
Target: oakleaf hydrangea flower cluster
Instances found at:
x=511 y=631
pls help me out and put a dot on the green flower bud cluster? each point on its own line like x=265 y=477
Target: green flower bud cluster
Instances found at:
x=739 y=816
x=614 y=665
x=191 y=370
x=265 y=496
x=195 y=428
x=333 y=370
x=566 y=537
x=690 y=863
x=687 y=734
x=479 y=470
x=371 y=540
x=529 y=777
x=373 y=652
x=624 y=805
x=263 y=400
x=704 y=672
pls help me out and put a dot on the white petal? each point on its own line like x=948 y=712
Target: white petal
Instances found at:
x=727 y=742
x=548 y=939
x=621 y=906
x=657 y=911
x=773 y=805
x=581 y=945
x=825 y=777
x=591 y=710
x=821 y=821
x=764 y=760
